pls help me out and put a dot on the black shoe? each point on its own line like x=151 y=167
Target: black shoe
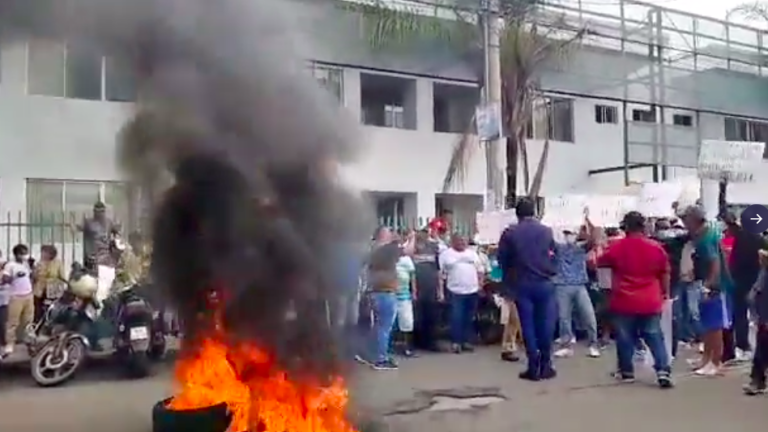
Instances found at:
x=510 y=356
x=622 y=377
x=664 y=380
x=547 y=372
x=467 y=347
x=755 y=389
x=385 y=365
x=409 y=353
x=530 y=375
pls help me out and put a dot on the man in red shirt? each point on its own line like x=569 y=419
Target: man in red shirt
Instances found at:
x=640 y=283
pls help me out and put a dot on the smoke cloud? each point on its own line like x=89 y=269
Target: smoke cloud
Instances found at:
x=250 y=143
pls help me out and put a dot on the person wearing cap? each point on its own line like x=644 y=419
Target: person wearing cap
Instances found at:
x=640 y=282
x=527 y=260
x=711 y=272
x=572 y=294
x=741 y=249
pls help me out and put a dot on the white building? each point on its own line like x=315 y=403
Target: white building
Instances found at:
x=622 y=114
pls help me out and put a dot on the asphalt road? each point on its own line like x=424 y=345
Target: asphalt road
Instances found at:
x=426 y=394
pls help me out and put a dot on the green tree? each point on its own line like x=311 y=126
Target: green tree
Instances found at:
x=530 y=37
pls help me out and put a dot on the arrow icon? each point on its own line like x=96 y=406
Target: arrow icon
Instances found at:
x=757 y=218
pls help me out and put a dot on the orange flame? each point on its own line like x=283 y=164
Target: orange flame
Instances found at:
x=259 y=396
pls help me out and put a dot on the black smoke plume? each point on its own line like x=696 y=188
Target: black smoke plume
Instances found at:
x=239 y=148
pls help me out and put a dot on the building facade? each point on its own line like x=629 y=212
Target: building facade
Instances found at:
x=631 y=103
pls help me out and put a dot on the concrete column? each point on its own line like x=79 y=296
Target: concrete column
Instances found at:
x=709 y=195
x=425 y=106
x=352 y=97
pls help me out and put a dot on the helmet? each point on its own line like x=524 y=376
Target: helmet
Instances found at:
x=84 y=287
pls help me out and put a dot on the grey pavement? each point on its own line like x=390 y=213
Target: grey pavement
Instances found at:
x=427 y=394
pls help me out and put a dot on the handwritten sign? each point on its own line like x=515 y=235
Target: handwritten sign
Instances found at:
x=609 y=210
x=734 y=161
x=491 y=224
x=564 y=211
x=657 y=199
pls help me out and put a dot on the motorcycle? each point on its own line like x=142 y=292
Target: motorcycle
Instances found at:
x=140 y=332
x=55 y=343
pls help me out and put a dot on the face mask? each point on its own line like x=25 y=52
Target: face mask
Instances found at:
x=570 y=239
x=24 y=257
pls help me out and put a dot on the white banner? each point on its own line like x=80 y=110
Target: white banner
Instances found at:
x=564 y=211
x=609 y=210
x=488 y=121
x=491 y=224
x=657 y=199
x=734 y=161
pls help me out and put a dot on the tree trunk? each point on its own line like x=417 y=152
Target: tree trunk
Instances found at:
x=511 y=153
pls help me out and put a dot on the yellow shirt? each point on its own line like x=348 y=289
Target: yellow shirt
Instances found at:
x=49 y=278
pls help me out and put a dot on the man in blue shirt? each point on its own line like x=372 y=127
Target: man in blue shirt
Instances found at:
x=572 y=295
x=526 y=257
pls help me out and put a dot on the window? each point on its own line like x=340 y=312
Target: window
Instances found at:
x=119 y=80
x=45 y=68
x=747 y=130
x=606 y=114
x=387 y=101
x=646 y=116
x=83 y=72
x=52 y=205
x=331 y=78
x=553 y=118
x=682 y=120
x=394 y=116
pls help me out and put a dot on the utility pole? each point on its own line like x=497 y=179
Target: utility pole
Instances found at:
x=491 y=22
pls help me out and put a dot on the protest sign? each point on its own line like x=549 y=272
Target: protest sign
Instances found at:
x=734 y=161
x=564 y=211
x=609 y=210
x=657 y=199
x=491 y=224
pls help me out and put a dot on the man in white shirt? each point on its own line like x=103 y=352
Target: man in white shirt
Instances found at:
x=462 y=270
x=21 y=304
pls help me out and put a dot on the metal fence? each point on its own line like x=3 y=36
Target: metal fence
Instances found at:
x=56 y=229
x=463 y=227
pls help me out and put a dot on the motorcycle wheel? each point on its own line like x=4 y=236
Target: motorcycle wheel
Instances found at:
x=50 y=368
x=215 y=418
x=157 y=350
x=138 y=365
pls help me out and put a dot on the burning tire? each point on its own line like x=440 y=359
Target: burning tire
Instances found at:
x=215 y=418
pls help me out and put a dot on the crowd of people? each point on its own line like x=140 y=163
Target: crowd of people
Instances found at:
x=29 y=283
x=600 y=285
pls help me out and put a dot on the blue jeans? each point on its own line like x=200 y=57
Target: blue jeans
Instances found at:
x=463 y=308
x=570 y=298
x=384 y=314
x=537 y=309
x=649 y=328
x=685 y=313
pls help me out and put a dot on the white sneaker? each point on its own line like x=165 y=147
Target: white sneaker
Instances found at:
x=701 y=348
x=708 y=370
x=742 y=356
x=6 y=351
x=593 y=352
x=564 y=352
x=694 y=363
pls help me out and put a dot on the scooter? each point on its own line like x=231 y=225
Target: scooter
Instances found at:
x=139 y=333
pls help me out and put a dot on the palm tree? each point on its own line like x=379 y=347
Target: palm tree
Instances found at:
x=530 y=37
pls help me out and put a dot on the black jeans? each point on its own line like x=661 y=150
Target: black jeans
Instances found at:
x=738 y=335
x=760 y=360
x=3 y=322
x=426 y=317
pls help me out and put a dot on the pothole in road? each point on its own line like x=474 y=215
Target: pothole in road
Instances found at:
x=457 y=399
x=445 y=403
